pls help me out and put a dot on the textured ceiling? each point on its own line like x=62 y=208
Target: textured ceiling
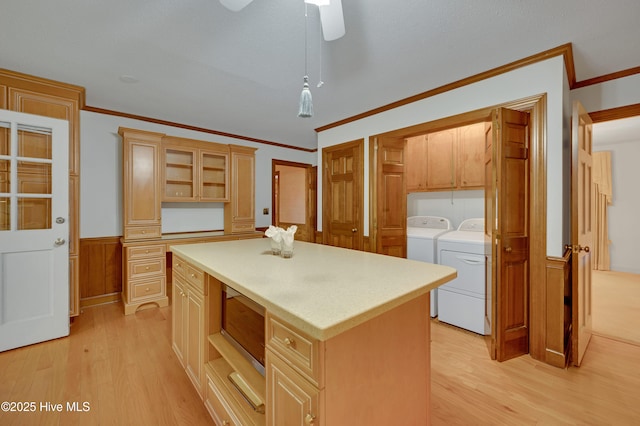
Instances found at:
x=201 y=65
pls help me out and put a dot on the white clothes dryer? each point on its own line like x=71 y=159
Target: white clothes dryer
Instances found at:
x=463 y=301
x=422 y=233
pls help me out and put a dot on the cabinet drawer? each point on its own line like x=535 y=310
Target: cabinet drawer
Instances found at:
x=243 y=226
x=179 y=266
x=142 y=232
x=217 y=408
x=147 y=289
x=195 y=277
x=141 y=252
x=145 y=267
x=294 y=346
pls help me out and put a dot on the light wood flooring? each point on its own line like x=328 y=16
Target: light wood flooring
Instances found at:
x=616 y=305
x=123 y=366
x=125 y=369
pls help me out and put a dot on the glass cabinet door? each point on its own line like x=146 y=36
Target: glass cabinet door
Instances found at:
x=179 y=174
x=214 y=176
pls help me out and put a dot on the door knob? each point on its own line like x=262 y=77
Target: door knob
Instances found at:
x=508 y=249
x=59 y=241
x=354 y=230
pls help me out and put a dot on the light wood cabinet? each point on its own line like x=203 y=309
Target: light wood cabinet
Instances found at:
x=291 y=399
x=441 y=159
x=34 y=95
x=144 y=275
x=293 y=375
x=239 y=213
x=188 y=320
x=310 y=380
x=141 y=184
x=471 y=148
x=180 y=174
x=195 y=171
x=446 y=160
x=416 y=163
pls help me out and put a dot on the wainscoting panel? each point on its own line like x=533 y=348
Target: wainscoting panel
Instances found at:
x=558 y=310
x=100 y=270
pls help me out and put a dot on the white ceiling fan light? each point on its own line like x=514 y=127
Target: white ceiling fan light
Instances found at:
x=331 y=16
x=235 y=5
x=332 y=20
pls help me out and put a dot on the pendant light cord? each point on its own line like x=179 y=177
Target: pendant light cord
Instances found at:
x=306 y=24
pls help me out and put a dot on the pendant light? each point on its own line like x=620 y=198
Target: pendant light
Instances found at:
x=305 y=109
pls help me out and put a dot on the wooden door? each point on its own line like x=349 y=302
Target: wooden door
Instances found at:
x=34 y=229
x=391 y=214
x=490 y=184
x=510 y=234
x=581 y=230
x=342 y=195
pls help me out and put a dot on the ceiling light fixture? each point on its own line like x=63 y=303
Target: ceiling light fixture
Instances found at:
x=305 y=109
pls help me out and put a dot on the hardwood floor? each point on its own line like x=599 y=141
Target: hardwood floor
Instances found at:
x=468 y=388
x=125 y=369
x=616 y=303
x=122 y=366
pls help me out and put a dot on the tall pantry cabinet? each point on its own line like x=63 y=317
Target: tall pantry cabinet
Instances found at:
x=239 y=213
x=34 y=95
x=144 y=255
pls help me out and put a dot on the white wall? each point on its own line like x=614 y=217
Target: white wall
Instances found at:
x=542 y=77
x=101 y=178
x=623 y=214
x=453 y=205
x=610 y=94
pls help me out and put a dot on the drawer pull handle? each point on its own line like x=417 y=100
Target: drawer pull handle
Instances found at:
x=193 y=276
x=147 y=289
x=147 y=268
x=147 y=251
x=309 y=419
x=289 y=342
x=144 y=232
x=225 y=423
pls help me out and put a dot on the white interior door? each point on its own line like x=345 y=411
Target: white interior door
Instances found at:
x=34 y=229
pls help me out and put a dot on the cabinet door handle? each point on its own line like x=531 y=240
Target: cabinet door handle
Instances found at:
x=309 y=419
x=289 y=342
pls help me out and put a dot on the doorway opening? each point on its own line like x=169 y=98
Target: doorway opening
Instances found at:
x=294 y=197
x=533 y=318
x=616 y=277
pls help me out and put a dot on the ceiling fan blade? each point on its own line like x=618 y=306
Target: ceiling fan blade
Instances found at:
x=332 y=20
x=235 y=5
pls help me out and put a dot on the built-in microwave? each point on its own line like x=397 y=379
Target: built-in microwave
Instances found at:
x=242 y=325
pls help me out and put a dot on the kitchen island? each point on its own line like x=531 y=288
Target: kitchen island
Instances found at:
x=347 y=333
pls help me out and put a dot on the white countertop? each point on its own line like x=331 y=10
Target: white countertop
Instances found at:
x=321 y=290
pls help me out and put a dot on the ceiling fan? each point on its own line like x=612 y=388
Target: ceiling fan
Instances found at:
x=331 y=16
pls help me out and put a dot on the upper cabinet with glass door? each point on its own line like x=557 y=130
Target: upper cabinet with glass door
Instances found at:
x=195 y=171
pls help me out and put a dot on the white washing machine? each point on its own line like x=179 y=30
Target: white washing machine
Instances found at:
x=422 y=233
x=463 y=301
